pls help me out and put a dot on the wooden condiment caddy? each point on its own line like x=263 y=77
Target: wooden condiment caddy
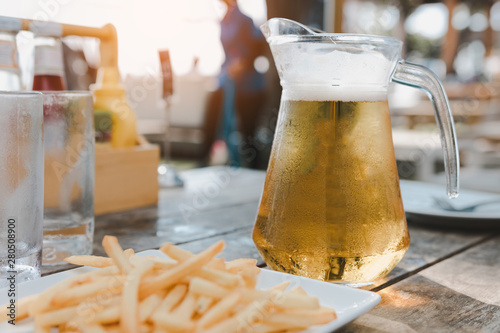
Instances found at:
x=127 y=177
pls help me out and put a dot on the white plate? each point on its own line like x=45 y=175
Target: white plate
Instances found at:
x=420 y=206
x=349 y=303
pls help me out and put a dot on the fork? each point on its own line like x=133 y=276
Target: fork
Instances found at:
x=446 y=205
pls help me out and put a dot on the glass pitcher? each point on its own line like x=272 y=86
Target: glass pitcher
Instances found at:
x=331 y=208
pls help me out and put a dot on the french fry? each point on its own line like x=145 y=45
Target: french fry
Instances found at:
x=179 y=254
x=323 y=308
x=186 y=309
x=203 y=304
x=160 y=260
x=249 y=295
x=22 y=309
x=91 y=261
x=298 y=290
x=41 y=329
x=56 y=317
x=217 y=263
x=280 y=287
x=171 y=300
x=115 y=251
x=148 y=306
x=129 y=322
x=172 y=323
x=175 y=252
x=207 y=288
x=110 y=315
x=97 y=304
x=81 y=292
x=92 y=328
x=70 y=327
x=175 y=274
x=291 y=300
x=219 y=311
x=249 y=275
x=228 y=325
x=222 y=278
x=240 y=264
x=245 y=319
x=267 y=328
x=42 y=302
x=128 y=253
x=160 y=263
x=145 y=328
x=112 y=328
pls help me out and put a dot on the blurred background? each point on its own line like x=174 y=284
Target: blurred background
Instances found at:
x=458 y=40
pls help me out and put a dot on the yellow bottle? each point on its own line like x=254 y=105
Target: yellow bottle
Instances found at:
x=109 y=95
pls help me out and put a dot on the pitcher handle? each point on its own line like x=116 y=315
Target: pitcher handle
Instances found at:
x=421 y=77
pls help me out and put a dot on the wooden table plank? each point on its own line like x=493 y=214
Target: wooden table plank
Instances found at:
x=428 y=246
x=459 y=294
x=209 y=189
x=151 y=233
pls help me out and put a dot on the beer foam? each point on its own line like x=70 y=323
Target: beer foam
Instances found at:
x=344 y=94
x=331 y=71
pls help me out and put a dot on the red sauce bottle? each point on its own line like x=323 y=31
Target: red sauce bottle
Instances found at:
x=48 y=82
x=49 y=65
x=49 y=72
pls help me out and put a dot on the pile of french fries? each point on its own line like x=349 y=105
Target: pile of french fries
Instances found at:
x=187 y=293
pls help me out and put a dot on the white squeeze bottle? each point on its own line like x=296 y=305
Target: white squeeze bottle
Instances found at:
x=10 y=74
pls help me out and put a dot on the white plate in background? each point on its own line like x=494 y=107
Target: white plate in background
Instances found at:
x=421 y=207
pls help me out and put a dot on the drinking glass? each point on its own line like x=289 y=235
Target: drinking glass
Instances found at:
x=68 y=226
x=21 y=186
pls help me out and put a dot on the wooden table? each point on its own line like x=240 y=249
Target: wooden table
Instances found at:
x=448 y=281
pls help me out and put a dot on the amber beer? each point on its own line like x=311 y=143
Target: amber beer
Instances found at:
x=331 y=207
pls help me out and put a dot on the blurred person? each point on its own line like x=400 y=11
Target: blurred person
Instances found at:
x=236 y=106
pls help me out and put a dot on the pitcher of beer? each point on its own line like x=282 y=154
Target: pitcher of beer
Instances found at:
x=331 y=208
